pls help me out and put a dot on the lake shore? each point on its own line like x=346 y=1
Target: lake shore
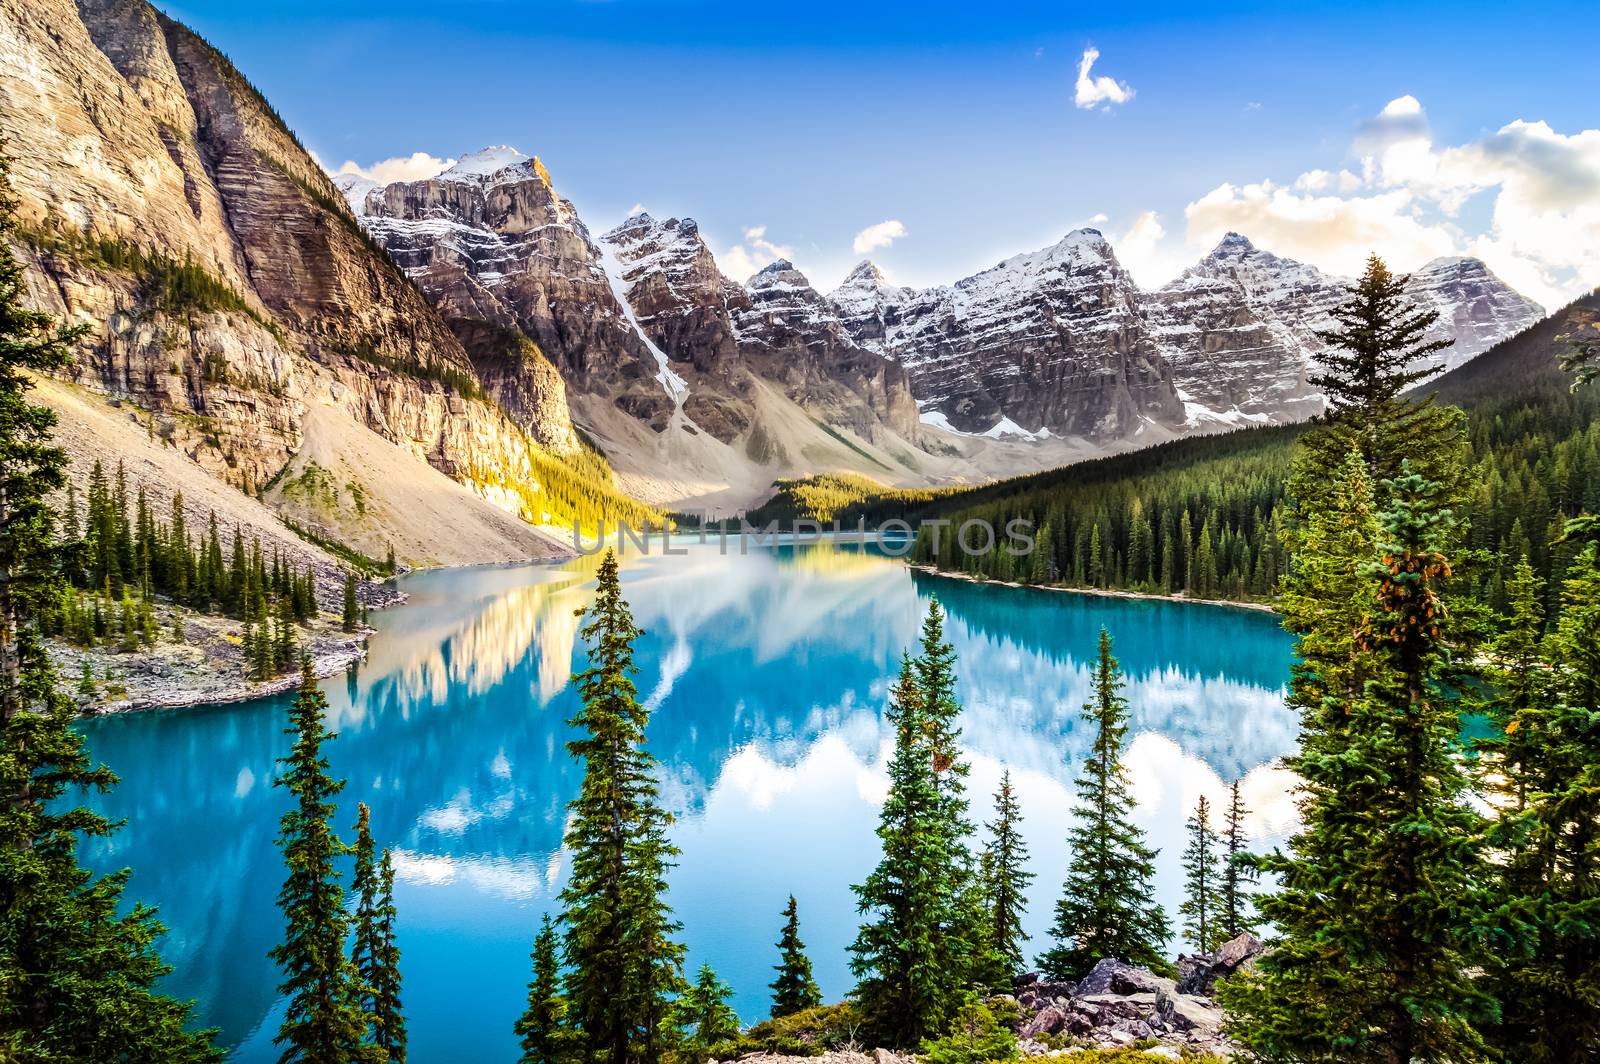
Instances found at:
x=206 y=668
x=951 y=574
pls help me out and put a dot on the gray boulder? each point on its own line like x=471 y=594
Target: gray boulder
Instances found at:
x=1111 y=976
x=1200 y=973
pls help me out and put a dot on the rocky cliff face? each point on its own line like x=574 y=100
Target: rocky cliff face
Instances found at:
x=789 y=332
x=1051 y=342
x=678 y=295
x=1240 y=327
x=226 y=283
x=490 y=239
x=1476 y=309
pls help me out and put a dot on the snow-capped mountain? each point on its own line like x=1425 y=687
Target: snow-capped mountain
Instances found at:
x=778 y=329
x=866 y=302
x=490 y=239
x=1052 y=341
x=1240 y=327
x=1476 y=308
x=677 y=293
x=1057 y=343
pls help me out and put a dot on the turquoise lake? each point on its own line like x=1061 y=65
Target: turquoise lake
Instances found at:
x=766 y=674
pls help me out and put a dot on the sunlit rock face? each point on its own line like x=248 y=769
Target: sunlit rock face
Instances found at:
x=143 y=140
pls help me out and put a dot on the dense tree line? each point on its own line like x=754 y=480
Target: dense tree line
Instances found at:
x=121 y=558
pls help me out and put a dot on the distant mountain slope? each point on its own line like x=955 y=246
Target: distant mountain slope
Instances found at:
x=1522 y=367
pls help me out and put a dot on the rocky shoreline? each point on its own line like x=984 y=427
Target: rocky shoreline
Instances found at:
x=207 y=666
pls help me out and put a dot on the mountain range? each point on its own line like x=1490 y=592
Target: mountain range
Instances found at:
x=472 y=325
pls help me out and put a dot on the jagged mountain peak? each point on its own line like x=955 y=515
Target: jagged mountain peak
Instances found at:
x=485 y=162
x=1086 y=247
x=1234 y=243
x=643 y=226
x=778 y=274
x=866 y=275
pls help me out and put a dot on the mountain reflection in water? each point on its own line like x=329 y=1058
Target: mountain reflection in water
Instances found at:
x=766 y=674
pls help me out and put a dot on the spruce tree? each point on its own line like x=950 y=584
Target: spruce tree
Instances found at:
x=324 y=1022
x=963 y=935
x=388 y=1015
x=1544 y=768
x=78 y=966
x=1367 y=367
x=703 y=1014
x=1202 y=902
x=542 y=1029
x=1003 y=872
x=905 y=986
x=794 y=989
x=1107 y=906
x=1375 y=942
x=623 y=965
x=1234 y=916
x=374 y=952
x=352 y=615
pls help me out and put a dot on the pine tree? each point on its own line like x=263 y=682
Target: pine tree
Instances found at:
x=351 y=614
x=624 y=966
x=1372 y=958
x=964 y=934
x=906 y=988
x=78 y=966
x=374 y=952
x=1234 y=916
x=388 y=1015
x=1107 y=906
x=1544 y=961
x=324 y=1022
x=266 y=650
x=704 y=1015
x=794 y=989
x=542 y=1028
x=1202 y=904
x=1003 y=872
x=1381 y=334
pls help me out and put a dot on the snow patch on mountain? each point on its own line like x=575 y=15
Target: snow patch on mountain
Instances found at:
x=672 y=383
x=486 y=162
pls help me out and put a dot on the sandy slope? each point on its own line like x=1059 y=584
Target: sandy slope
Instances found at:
x=430 y=519
x=90 y=428
x=682 y=469
x=368 y=493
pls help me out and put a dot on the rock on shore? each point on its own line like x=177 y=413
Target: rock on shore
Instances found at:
x=1117 y=1005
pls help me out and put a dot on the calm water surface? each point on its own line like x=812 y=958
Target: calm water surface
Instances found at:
x=766 y=674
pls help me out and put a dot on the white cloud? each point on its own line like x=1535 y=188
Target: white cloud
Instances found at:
x=1334 y=232
x=1542 y=233
x=742 y=260
x=1145 y=252
x=1102 y=91
x=418 y=166
x=880 y=235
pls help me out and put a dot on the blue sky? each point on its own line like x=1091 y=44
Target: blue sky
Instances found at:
x=962 y=123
